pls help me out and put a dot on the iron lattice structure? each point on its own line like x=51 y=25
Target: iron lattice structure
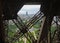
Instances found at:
x=50 y=8
x=24 y=29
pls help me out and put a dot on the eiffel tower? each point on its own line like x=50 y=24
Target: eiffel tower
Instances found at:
x=49 y=9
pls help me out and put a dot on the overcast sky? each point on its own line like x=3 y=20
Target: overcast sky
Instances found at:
x=31 y=9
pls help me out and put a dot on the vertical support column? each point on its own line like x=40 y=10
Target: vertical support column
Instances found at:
x=45 y=33
x=2 y=32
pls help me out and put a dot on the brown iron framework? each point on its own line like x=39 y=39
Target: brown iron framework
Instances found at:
x=48 y=8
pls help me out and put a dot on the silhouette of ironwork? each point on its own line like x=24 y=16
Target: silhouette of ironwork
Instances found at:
x=24 y=28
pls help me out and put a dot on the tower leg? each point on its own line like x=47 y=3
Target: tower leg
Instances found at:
x=2 y=30
x=45 y=33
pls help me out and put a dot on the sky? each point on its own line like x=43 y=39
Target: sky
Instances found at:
x=31 y=9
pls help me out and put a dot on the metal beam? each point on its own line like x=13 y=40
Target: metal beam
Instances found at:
x=2 y=30
x=45 y=34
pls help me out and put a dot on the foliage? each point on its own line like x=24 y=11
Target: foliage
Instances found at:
x=12 y=29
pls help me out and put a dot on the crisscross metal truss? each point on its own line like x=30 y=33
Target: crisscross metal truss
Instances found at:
x=24 y=28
